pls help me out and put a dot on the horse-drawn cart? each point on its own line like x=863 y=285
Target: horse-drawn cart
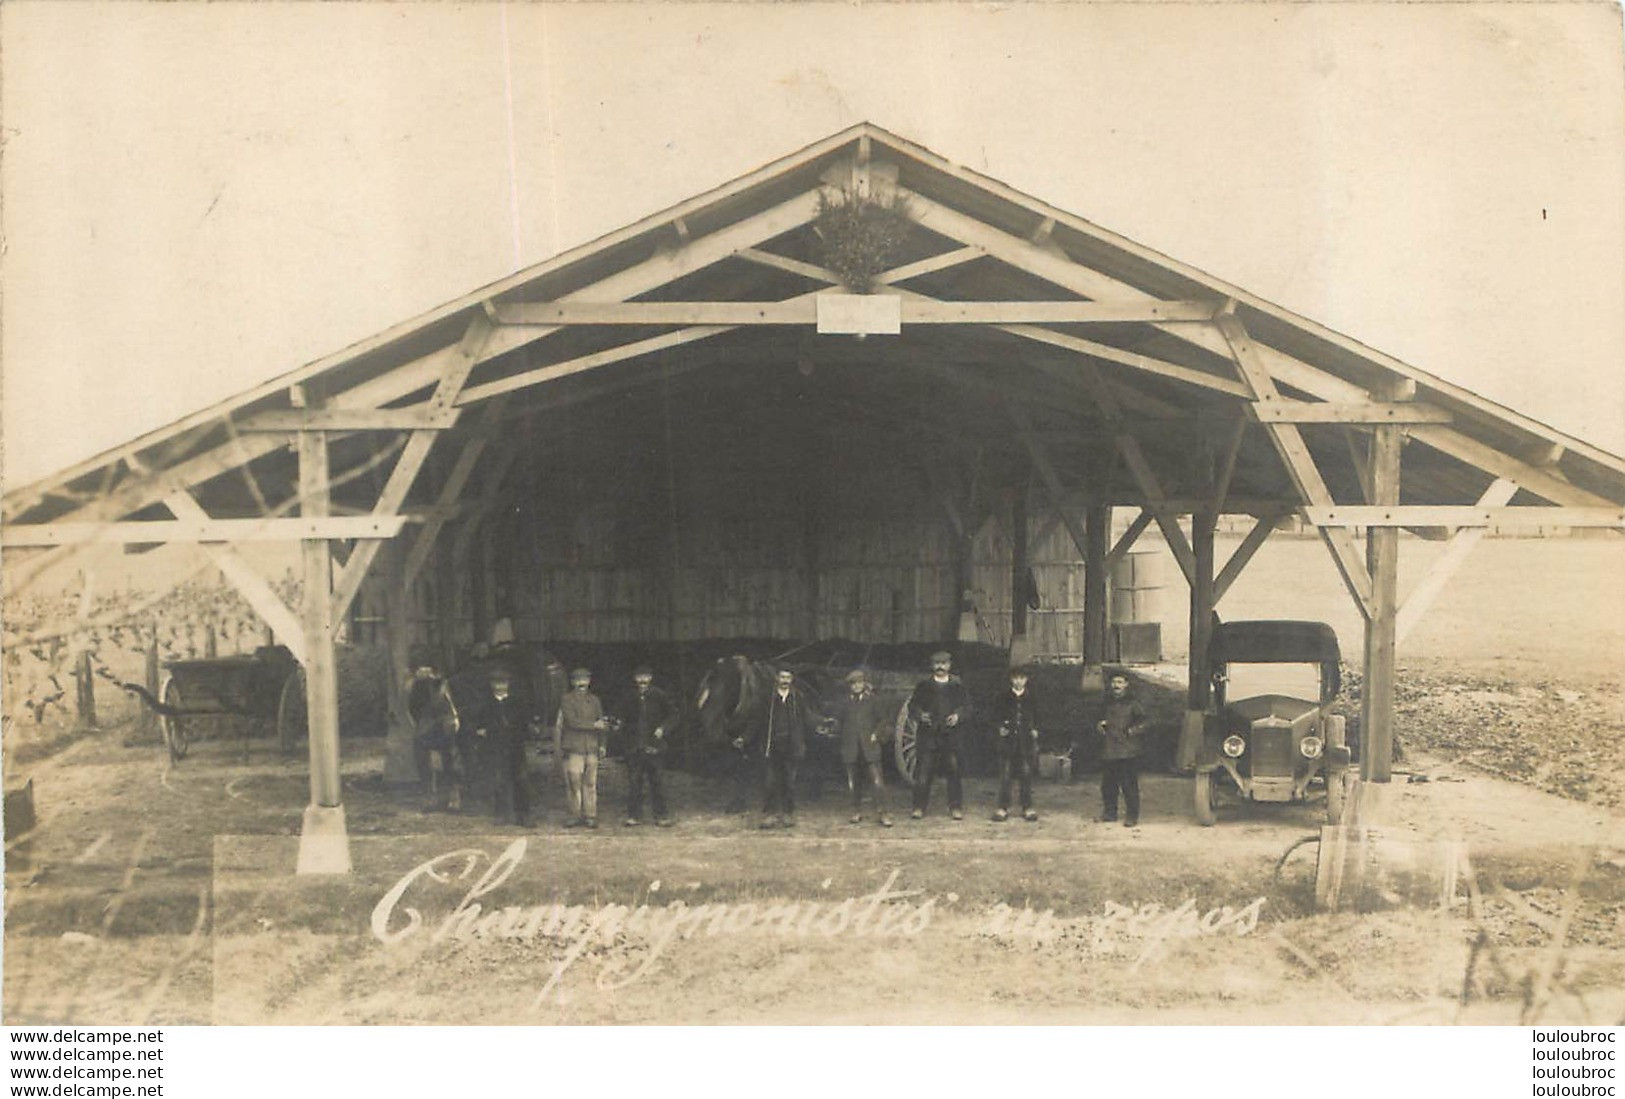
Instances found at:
x=266 y=685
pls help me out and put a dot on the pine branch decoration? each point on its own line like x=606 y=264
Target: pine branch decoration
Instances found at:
x=860 y=235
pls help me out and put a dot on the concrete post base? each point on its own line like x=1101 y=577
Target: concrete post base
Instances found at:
x=324 y=842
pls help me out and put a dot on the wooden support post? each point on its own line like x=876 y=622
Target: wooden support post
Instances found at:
x=149 y=716
x=445 y=606
x=1097 y=534
x=324 y=844
x=84 y=682
x=1019 y=648
x=479 y=580
x=1199 y=683
x=400 y=763
x=1382 y=563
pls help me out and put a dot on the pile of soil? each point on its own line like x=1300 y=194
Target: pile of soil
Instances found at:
x=1564 y=739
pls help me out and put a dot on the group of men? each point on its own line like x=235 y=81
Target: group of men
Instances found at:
x=471 y=732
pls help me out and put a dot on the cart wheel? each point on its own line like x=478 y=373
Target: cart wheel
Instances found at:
x=1337 y=790
x=1207 y=799
x=905 y=745
x=290 y=712
x=176 y=737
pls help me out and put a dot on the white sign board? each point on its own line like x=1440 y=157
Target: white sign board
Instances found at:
x=860 y=314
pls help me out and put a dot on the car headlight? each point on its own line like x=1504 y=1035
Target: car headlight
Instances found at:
x=1311 y=747
x=1234 y=746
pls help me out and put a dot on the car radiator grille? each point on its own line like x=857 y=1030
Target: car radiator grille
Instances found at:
x=1272 y=751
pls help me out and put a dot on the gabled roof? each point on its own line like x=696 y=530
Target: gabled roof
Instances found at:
x=752 y=240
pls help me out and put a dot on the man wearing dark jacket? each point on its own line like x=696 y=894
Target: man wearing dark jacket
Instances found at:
x=1121 y=730
x=865 y=727
x=779 y=738
x=647 y=718
x=496 y=722
x=1015 y=723
x=940 y=709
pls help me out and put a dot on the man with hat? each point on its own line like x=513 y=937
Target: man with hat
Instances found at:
x=497 y=724
x=864 y=728
x=940 y=710
x=647 y=718
x=578 y=738
x=779 y=739
x=1015 y=719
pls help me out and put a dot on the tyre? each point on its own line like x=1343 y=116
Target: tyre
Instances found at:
x=176 y=735
x=905 y=745
x=1206 y=799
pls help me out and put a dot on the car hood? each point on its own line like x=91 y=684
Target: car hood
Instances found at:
x=1282 y=706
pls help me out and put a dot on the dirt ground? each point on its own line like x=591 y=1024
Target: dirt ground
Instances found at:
x=1494 y=894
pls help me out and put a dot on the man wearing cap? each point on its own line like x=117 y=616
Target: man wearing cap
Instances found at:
x=940 y=710
x=647 y=718
x=578 y=738
x=1015 y=721
x=779 y=740
x=864 y=729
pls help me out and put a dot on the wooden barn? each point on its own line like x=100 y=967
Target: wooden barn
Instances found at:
x=861 y=392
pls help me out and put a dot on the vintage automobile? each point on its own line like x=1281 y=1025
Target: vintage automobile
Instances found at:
x=1270 y=730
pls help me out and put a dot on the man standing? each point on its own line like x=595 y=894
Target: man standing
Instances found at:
x=779 y=739
x=864 y=729
x=434 y=726
x=646 y=720
x=1121 y=730
x=579 y=739
x=1015 y=717
x=499 y=727
x=940 y=709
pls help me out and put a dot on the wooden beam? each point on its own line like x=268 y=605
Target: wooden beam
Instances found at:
x=1300 y=375
x=1130 y=536
x=490 y=493
x=554 y=371
x=1346 y=412
x=433 y=367
x=450 y=492
x=165 y=531
x=1360 y=456
x=1189 y=375
x=802 y=310
x=1299 y=463
x=1242 y=554
x=931 y=264
x=1461 y=544
x=348 y=419
x=1536 y=517
x=793 y=266
x=1227 y=466
x=1144 y=476
x=468 y=352
x=1046 y=473
x=253 y=587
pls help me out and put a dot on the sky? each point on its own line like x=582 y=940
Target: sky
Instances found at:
x=200 y=197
